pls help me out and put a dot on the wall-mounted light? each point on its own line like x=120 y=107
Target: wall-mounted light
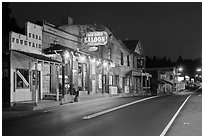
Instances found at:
x=66 y=55
x=112 y=64
x=105 y=64
x=93 y=60
x=180 y=69
x=82 y=58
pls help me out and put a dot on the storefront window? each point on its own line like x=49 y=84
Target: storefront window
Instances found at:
x=100 y=81
x=117 y=80
x=110 y=80
x=22 y=78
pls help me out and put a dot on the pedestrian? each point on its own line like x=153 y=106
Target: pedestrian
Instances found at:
x=76 y=98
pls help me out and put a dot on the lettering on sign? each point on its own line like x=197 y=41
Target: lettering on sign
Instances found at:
x=95 y=38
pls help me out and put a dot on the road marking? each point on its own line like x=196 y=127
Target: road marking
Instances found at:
x=115 y=108
x=174 y=117
x=198 y=89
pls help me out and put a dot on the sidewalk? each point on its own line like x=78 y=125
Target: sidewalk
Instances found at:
x=189 y=120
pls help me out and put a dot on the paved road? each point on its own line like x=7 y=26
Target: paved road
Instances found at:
x=189 y=120
x=147 y=118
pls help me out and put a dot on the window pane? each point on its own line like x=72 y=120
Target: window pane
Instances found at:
x=21 y=41
x=13 y=39
x=22 y=78
x=110 y=80
x=25 y=43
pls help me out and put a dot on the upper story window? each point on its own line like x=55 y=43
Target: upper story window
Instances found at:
x=13 y=39
x=17 y=41
x=29 y=43
x=39 y=37
x=121 y=59
x=21 y=41
x=25 y=43
x=36 y=36
x=39 y=45
x=128 y=60
x=33 y=35
x=29 y=34
x=33 y=44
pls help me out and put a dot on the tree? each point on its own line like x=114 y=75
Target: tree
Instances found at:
x=8 y=24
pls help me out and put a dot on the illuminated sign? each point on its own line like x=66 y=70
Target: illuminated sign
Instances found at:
x=95 y=38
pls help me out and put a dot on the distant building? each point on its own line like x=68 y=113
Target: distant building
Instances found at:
x=164 y=80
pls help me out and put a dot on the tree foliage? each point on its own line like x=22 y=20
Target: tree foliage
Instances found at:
x=189 y=65
x=8 y=24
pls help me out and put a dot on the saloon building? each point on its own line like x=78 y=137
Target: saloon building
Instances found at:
x=49 y=61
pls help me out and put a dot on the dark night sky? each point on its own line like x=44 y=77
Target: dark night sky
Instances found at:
x=165 y=29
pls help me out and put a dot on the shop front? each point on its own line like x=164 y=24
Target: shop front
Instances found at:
x=30 y=76
x=135 y=81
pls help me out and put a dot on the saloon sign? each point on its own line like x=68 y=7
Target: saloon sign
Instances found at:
x=95 y=38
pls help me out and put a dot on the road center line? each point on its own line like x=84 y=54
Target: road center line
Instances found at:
x=173 y=118
x=115 y=108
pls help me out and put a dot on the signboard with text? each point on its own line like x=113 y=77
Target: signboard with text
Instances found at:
x=95 y=38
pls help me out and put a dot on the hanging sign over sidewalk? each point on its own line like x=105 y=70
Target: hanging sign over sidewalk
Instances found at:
x=95 y=38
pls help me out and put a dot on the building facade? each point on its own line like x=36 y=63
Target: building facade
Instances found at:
x=164 y=80
x=51 y=60
x=29 y=67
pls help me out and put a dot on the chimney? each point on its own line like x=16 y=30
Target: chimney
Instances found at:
x=66 y=21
